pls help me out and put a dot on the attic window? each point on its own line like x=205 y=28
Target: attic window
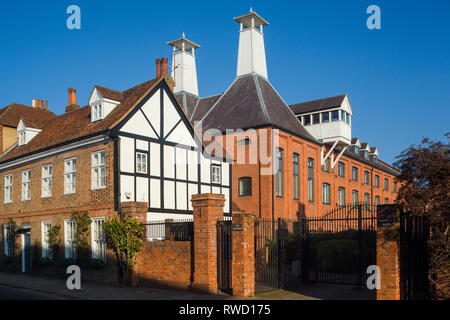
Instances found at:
x=21 y=138
x=335 y=115
x=97 y=112
x=366 y=154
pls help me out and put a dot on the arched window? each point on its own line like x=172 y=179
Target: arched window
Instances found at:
x=245 y=187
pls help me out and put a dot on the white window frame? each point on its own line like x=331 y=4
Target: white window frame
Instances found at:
x=98 y=239
x=70 y=175
x=97 y=113
x=22 y=138
x=6 y=240
x=7 y=198
x=26 y=185
x=98 y=167
x=140 y=164
x=326 y=196
x=216 y=174
x=47 y=173
x=341 y=196
x=70 y=229
x=46 y=248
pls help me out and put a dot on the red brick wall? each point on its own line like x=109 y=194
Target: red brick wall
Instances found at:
x=84 y=196
x=165 y=263
x=260 y=203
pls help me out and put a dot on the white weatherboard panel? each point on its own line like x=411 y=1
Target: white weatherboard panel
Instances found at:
x=192 y=189
x=171 y=116
x=181 y=196
x=139 y=125
x=142 y=145
x=205 y=189
x=169 y=195
x=155 y=193
x=169 y=162
x=192 y=165
x=142 y=189
x=216 y=190
x=205 y=169
x=225 y=174
x=226 y=193
x=159 y=216
x=181 y=135
x=155 y=162
x=126 y=188
x=126 y=154
x=152 y=110
x=180 y=157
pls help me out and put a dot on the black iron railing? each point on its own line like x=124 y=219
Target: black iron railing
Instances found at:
x=175 y=230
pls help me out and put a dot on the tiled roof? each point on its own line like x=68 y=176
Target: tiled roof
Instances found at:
x=10 y=115
x=252 y=102
x=203 y=106
x=187 y=102
x=110 y=94
x=35 y=124
x=77 y=124
x=318 y=105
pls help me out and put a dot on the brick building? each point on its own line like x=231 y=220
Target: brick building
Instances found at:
x=126 y=146
x=288 y=160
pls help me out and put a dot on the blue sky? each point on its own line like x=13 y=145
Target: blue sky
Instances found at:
x=397 y=78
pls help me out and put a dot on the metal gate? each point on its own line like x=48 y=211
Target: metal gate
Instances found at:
x=341 y=245
x=414 y=257
x=224 y=255
x=278 y=251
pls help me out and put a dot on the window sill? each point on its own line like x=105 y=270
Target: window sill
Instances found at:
x=45 y=197
x=69 y=193
x=97 y=188
x=9 y=202
x=246 y=195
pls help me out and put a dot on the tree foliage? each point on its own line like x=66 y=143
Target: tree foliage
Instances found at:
x=124 y=236
x=83 y=222
x=425 y=172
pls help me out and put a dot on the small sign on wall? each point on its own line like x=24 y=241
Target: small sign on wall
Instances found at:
x=237 y=227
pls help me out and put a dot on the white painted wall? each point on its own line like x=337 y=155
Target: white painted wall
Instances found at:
x=251 y=53
x=185 y=72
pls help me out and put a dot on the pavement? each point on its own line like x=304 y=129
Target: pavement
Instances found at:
x=29 y=287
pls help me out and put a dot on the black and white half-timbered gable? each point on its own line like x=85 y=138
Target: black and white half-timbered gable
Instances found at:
x=162 y=161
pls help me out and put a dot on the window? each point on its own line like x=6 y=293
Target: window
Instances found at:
x=386 y=200
x=46 y=247
x=374 y=158
x=98 y=239
x=245 y=187
x=325 y=117
x=354 y=173
x=8 y=188
x=341 y=169
x=377 y=200
x=326 y=165
x=244 y=142
x=141 y=162
x=216 y=176
x=8 y=240
x=26 y=179
x=341 y=195
x=296 y=177
x=70 y=248
x=316 y=118
x=394 y=187
x=279 y=174
x=70 y=167
x=386 y=184
x=377 y=181
x=355 y=197
x=98 y=170
x=47 y=180
x=366 y=198
x=310 y=179
x=97 y=113
x=366 y=154
x=366 y=177
x=347 y=118
x=307 y=120
x=326 y=193
x=356 y=149
x=22 y=139
x=335 y=115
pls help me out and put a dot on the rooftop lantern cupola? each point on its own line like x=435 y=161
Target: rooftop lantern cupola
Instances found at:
x=251 y=55
x=184 y=70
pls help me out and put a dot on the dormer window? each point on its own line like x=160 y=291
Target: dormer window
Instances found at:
x=97 y=112
x=22 y=140
x=335 y=115
x=366 y=154
x=356 y=149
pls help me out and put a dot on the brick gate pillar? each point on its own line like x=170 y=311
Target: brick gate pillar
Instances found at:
x=388 y=251
x=243 y=262
x=208 y=208
x=137 y=210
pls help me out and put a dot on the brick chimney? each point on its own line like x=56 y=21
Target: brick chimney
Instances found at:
x=164 y=68
x=158 y=68
x=72 y=101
